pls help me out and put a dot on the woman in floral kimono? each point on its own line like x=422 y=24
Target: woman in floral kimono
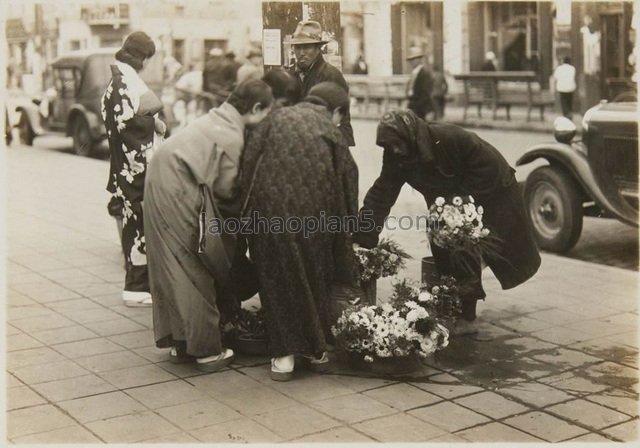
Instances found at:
x=188 y=292
x=129 y=110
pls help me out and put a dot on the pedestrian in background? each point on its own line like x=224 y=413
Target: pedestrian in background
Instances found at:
x=490 y=63
x=420 y=84
x=312 y=69
x=360 y=67
x=439 y=92
x=214 y=76
x=129 y=111
x=565 y=76
x=194 y=165
x=252 y=69
x=231 y=67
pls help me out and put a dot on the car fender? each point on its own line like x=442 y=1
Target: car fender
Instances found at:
x=32 y=113
x=96 y=126
x=578 y=166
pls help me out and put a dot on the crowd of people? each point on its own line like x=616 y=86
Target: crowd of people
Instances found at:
x=278 y=146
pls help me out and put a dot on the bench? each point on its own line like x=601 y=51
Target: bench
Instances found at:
x=384 y=91
x=503 y=90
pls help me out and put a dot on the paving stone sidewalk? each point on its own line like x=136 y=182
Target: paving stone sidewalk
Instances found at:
x=81 y=367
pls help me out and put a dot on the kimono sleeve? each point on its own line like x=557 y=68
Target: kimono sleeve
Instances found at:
x=136 y=134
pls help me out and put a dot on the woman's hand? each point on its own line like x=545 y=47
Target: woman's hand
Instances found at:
x=161 y=127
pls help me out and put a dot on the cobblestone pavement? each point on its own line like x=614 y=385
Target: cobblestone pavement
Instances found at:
x=83 y=368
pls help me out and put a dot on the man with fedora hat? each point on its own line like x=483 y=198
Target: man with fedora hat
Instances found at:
x=420 y=85
x=312 y=69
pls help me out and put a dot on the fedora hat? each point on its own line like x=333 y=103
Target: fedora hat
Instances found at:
x=308 y=32
x=414 y=52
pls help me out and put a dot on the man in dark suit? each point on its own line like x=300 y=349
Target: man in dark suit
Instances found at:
x=312 y=69
x=420 y=85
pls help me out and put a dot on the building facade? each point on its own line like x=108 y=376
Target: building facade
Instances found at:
x=599 y=37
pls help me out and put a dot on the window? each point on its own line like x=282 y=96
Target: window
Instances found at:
x=66 y=81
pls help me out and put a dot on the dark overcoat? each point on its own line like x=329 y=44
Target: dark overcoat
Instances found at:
x=457 y=162
x=420 y=98
x=321 y=71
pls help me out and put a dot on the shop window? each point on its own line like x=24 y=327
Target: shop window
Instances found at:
x=512 y=33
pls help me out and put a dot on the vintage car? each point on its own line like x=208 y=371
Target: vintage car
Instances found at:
x=595 y=176
x=72 y=106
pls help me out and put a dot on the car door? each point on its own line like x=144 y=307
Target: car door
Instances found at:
x=66 y=81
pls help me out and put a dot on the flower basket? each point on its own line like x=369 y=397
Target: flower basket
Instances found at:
x=246 y=334
x=385 y=366
x=430 y=273
x=369 y=290
x=250 y=345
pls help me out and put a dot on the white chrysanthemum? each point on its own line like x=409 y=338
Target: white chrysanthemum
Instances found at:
x=424 y=297
x=439 y=201
x=427 y=345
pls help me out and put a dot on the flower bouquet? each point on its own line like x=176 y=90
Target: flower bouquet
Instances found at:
x=458 y=227
x=384 y=260
x=441 y=299
x=388 y=338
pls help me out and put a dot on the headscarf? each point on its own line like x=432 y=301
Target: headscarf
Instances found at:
x=406 y=126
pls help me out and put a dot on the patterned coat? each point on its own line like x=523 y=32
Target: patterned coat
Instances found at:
x=130 y=136
x=306 y=171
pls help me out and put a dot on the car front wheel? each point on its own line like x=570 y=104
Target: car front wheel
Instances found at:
x=554 y=205
x=82 y=141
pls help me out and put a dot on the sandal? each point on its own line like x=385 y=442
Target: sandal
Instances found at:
x=137 y=299
x=282 y=372
x=216 y=362
x=177 y=356
x=319 y=365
